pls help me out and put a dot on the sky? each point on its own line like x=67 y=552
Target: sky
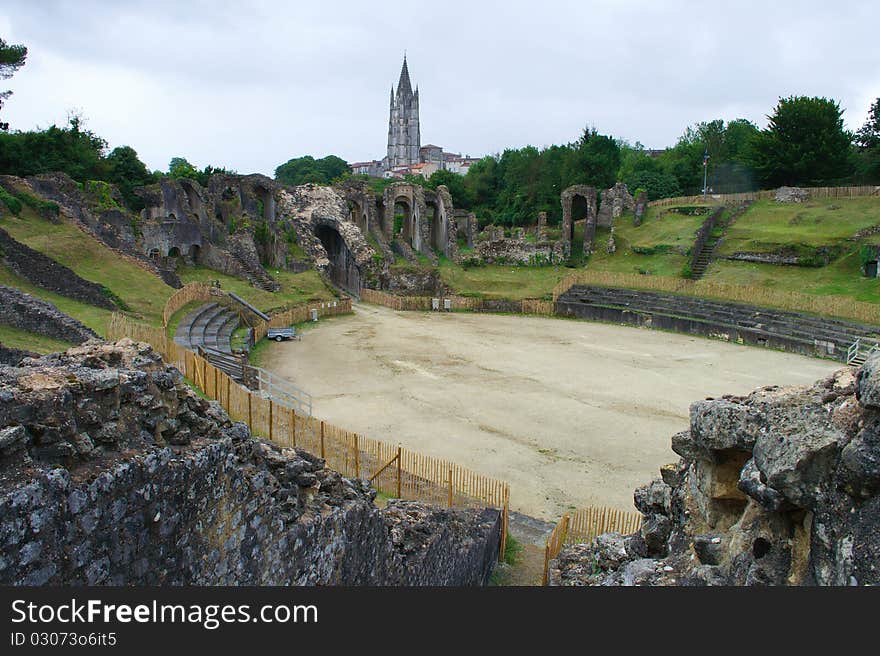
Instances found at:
x=249 y=85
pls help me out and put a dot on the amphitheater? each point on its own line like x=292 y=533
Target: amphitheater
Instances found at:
x=571 y=414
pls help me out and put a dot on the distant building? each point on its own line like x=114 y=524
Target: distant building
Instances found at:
x=405 y=154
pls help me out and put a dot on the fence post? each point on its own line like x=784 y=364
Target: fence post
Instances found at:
x=205 y=375
x=322 y=439
x=271 y=407
x=293 y=426
x=250 y=414
x=398 y=471
x=357 y=458
x=449 y=500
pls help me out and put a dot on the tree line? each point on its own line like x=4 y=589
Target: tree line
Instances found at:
x=804 y=144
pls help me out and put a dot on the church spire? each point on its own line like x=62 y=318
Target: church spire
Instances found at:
x=404 y=86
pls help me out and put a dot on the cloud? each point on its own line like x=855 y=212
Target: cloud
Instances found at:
x=250 y=85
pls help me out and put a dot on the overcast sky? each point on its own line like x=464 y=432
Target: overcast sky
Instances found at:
x=248 y=85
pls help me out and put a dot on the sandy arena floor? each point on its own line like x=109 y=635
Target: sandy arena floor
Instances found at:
x=571 y=413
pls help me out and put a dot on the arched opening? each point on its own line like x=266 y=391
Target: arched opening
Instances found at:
x=174 y=251
x=192 y=197
x=438 y=226
x=579 y=212
x=267 y=203
x=195 y=252
x=343 y=271
x=358 y=215
x=403 y=220
x=383 y=223
x=171 y=216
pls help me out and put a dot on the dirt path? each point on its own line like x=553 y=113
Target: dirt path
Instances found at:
x=571 y=413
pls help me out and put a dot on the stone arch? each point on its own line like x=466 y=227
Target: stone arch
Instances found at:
x=403 y=219
x=196 y=206
x=174 y=251
x=588 y=195
x=267 y=200
x=195 y=253
x=343 y=269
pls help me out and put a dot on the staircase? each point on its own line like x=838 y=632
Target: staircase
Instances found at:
x=861 y=349
x=703 y=258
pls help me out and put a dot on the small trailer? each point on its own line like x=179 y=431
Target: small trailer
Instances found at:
x=282 y=334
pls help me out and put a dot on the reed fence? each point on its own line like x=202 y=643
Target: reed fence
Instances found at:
x=467 y=303
x=393 y=469
x=815 y=192
x=194 y=291
x=581 y=526
x=791 y=301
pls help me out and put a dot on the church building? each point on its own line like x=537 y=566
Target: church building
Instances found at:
x=405 y=154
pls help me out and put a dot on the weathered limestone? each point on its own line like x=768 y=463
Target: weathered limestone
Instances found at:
x=588 y=194
x=494 y=248
x=791 y=195
x=613 y=203
x=113 y=472
x=541 y=230
x=47 y=273
x=780 y=487
x=640 y=207
x=26 y=312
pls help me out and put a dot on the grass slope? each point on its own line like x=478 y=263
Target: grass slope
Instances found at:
x=142 y=291
x=22 y=339
x=296 y=288
x=666 y=236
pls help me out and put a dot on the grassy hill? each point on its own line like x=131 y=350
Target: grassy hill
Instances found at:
x=141 y=291
x=660 y=245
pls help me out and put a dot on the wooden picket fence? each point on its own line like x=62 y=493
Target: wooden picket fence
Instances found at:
x=581 y=526
x=393 y=469
x=467 y=303
x=769 y=194
x=791 y=301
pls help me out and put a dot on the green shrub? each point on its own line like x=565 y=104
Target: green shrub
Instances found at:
x=10 y=201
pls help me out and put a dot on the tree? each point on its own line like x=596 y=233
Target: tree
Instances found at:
x=303 y=170
x=127 y=172
x=868 y=135
x=867 y=158
x=805 y=143
x=12 y=58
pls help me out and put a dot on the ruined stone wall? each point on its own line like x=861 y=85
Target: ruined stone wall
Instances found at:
x=26 y=312
x=494 y=248
x=780 y=487
x=47 y=273
x=113 y=472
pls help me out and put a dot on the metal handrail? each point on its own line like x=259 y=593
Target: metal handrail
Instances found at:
x=282 y=391
x=853 y=351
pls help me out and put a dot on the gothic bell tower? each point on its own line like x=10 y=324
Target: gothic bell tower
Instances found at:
x=404 y=139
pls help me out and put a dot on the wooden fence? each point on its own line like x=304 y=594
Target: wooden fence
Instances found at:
x=815 y=192
x=469 y=303
x=581 y=526
x=393 y=469
x=791 y=301
x=194 y=291
x=301 y=313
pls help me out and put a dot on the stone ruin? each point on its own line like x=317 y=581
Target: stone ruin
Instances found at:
x=493 y=247
x=588 y=196
x=791 y=195
x=114 y=472
x=780 y=487
x=640 y=207
x=614 y=202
